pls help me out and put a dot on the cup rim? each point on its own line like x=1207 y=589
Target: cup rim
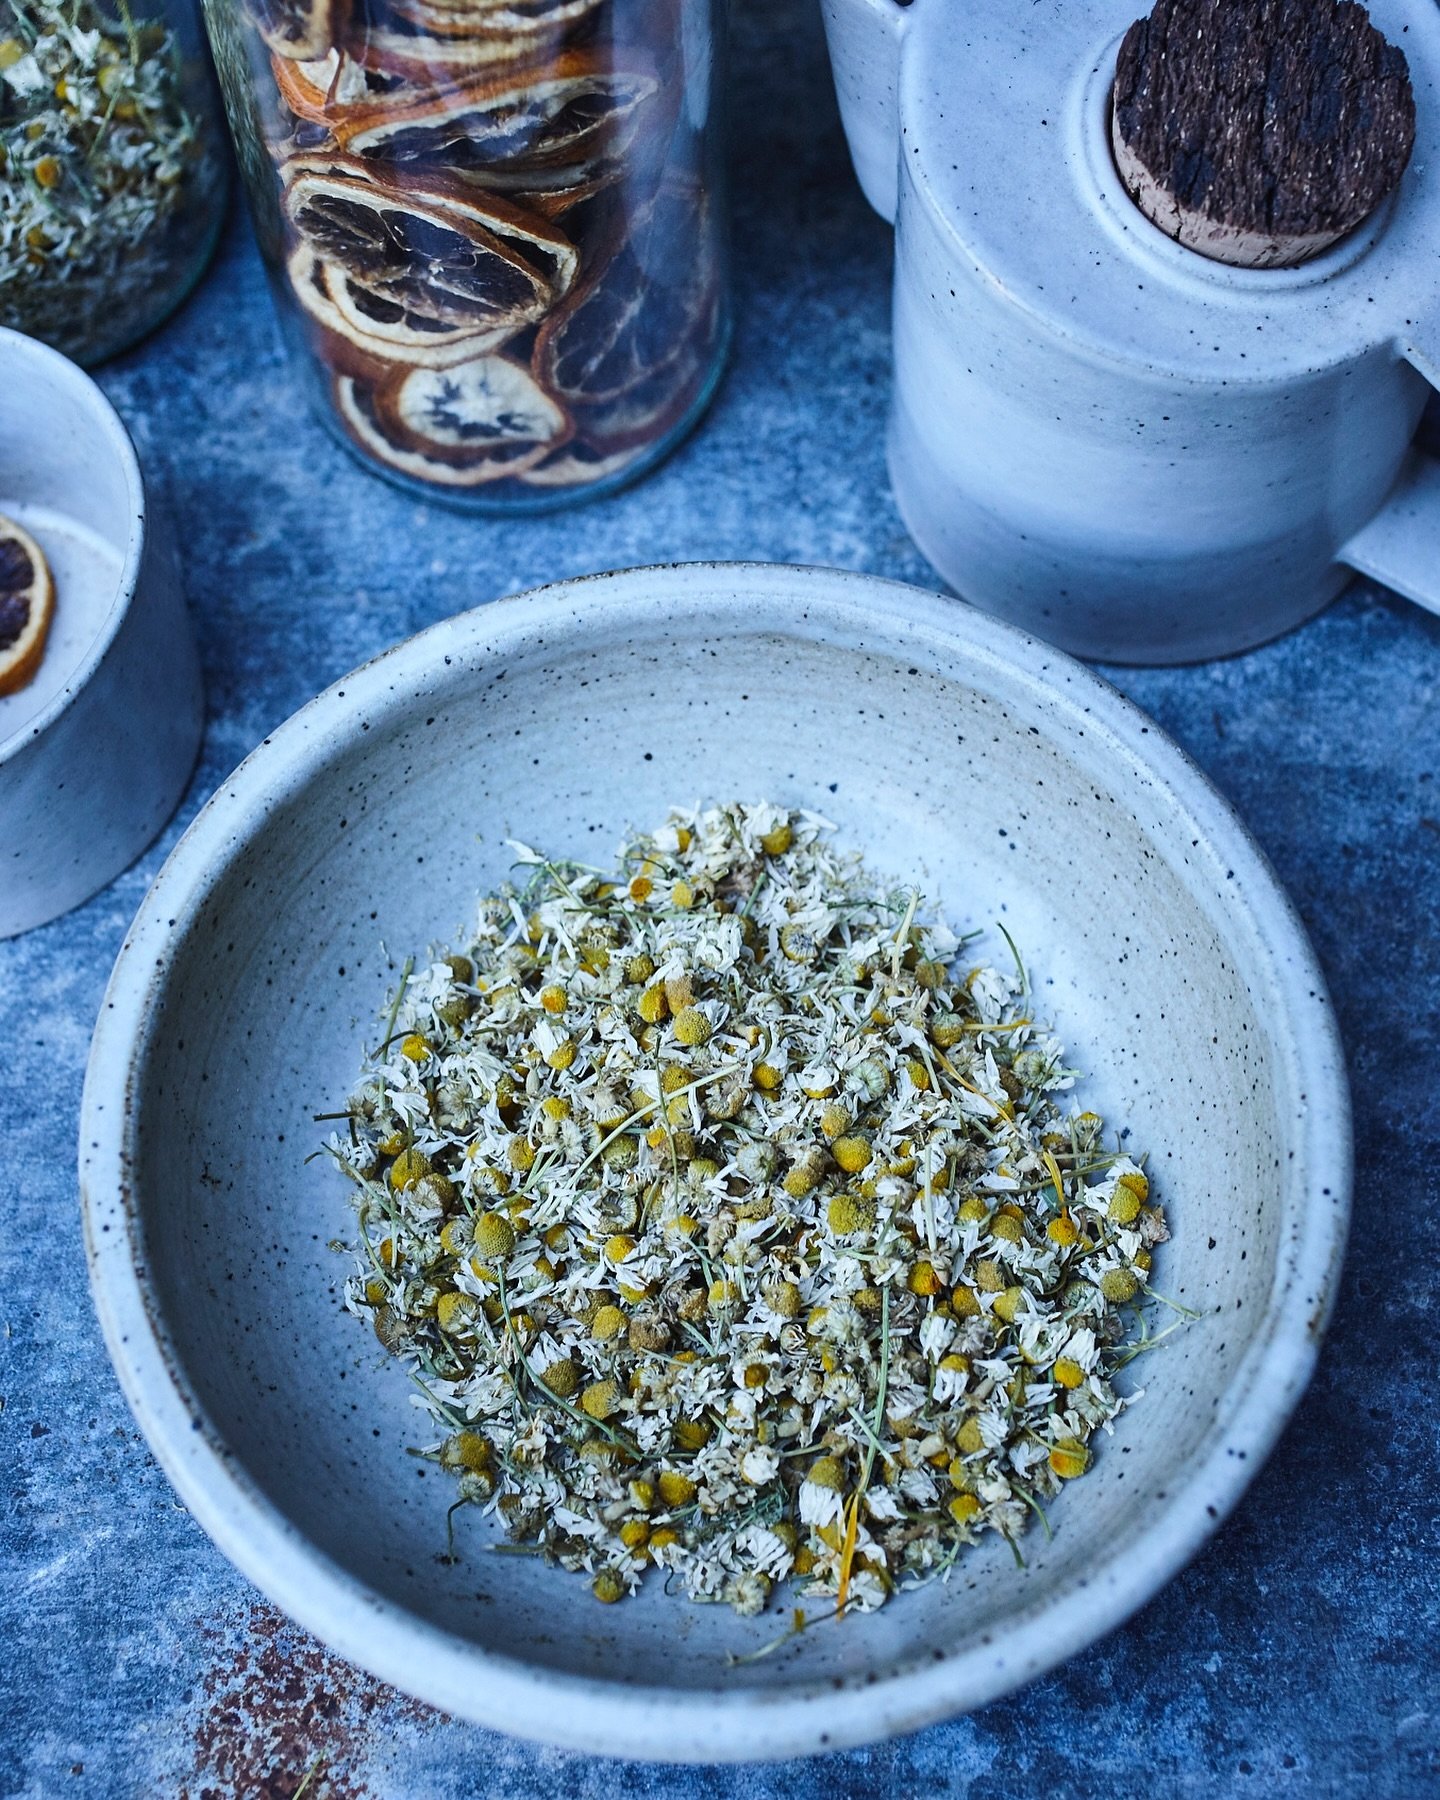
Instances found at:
x=707 y=1725
x=62 y=372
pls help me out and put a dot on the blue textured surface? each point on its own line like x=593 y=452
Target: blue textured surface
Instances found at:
x=1298 y=1654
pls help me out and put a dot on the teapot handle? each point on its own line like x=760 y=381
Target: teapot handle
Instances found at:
x=1400 y=547
x=865 y=38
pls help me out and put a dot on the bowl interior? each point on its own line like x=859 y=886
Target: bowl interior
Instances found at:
x=560 y=726
x=68 y=475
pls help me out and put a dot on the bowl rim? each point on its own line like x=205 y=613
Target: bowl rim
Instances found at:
x=652 y=1722
x=109 y=428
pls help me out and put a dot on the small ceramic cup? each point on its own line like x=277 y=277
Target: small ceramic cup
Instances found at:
x=96 y=750
x=1135 y=452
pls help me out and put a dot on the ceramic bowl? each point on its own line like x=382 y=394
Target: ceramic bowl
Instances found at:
x=1005 y=778
x=96 y=750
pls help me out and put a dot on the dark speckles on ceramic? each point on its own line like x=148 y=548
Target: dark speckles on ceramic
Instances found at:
x=1005 y=778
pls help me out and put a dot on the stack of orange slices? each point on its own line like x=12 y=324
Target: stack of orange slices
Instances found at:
x=496 y=228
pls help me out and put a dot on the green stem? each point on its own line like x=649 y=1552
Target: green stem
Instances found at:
x=394 y=1012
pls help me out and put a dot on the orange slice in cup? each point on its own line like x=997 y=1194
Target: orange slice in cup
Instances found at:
x=27 y=599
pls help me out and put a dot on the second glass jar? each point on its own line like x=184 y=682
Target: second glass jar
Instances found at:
x=112 y=168
x=496 y=228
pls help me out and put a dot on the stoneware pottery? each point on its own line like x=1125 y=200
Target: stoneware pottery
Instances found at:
x=957 y=752
x=96 y=750
x=1139 y=453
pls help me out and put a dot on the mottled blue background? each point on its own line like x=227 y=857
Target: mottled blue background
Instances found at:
x=1298 y=1654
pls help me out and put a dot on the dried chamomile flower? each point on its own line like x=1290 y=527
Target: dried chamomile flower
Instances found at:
x=108 y=177
x=760 y=1248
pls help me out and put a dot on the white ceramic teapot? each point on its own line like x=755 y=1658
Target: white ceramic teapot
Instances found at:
x=1139 y=454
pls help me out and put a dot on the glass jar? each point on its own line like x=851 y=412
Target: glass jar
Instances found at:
x=112 y=168
x=495 y=229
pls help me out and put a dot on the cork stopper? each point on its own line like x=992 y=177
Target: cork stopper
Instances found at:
x=1260 y=132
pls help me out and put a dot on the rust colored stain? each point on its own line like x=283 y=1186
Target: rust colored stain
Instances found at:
x=276 y=1706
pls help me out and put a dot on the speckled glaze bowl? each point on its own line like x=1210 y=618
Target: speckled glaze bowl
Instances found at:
x=1007 y=779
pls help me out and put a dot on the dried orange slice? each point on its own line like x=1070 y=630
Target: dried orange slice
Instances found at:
x=578 y=464
x=552 y=196
x=562 y=117
x=640 y=310
x=446 y=256
x=422 y=55
x=614 y=436
x=473 y=444
x=330 y=95
x=382 y=56
x=332 y=90
x=646 y=413
x=320 y=89
x=490 y=407
x=392 y=48
x=424 y=45
x=299 y=28
x=654 y=407
x=379 y=323
x=465 y=18
x=27 y=599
